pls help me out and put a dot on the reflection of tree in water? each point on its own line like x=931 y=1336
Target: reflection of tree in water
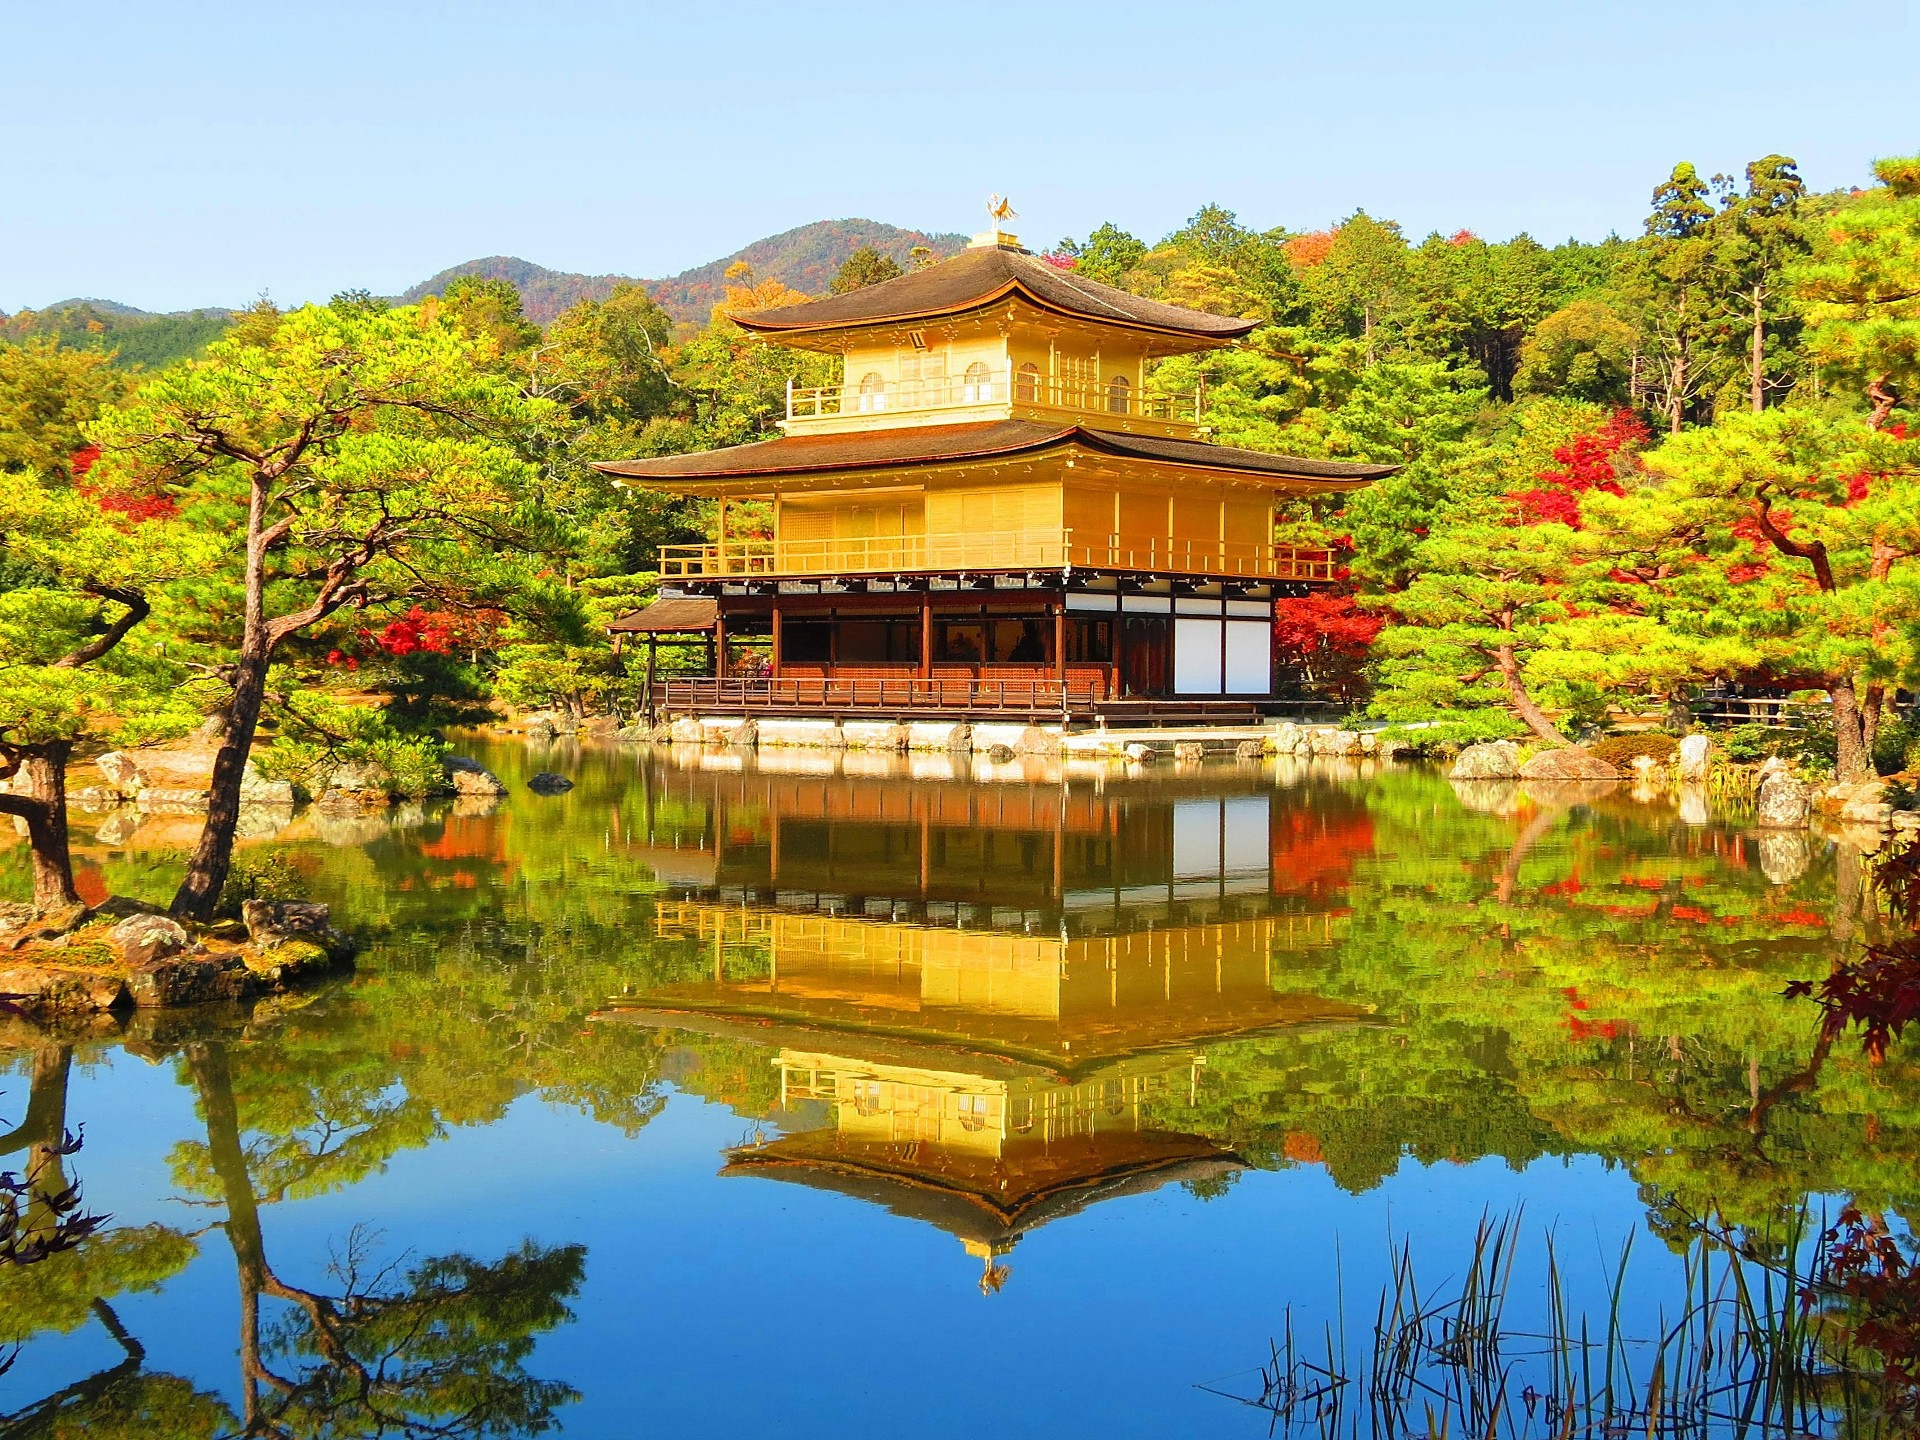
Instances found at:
x=431 y=1347
x=437 y=1347
x=59 y=1266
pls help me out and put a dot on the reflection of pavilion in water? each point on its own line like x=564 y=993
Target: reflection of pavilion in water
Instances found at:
x=981 y=997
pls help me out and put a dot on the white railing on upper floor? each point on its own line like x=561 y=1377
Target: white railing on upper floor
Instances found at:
x=984 y=387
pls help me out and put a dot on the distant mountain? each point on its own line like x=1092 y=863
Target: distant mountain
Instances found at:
x=806 y=258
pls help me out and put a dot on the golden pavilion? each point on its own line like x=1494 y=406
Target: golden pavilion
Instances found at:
x=992 y=512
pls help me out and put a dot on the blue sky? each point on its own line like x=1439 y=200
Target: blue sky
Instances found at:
x=192 y=153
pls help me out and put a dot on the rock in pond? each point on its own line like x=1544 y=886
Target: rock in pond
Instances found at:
x=470 y=777
x=548 y=783
x=1695 y=757
x=1783 y=803
x=1489 y=760
x=1567 y=762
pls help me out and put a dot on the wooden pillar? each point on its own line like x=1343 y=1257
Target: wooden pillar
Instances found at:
x=773 y=662
x=1119 y=641
x=1060 y=642
x=653 y=664
x=926 y=637
x=719 y=647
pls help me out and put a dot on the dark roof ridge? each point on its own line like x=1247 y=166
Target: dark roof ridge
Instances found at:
x=940 y=444
x=977 y=278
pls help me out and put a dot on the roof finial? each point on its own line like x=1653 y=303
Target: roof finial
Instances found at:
x=999 y=210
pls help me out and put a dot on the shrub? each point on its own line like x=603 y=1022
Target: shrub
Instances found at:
x=1893 y=744
x=268 y=875
x=319 y=733
x=1622 y=750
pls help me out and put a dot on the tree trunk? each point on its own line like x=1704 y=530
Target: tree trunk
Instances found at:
x=212 y=856
x=1884 y=398
x=1757 y=360
x=199 y=892
x=1531 y=715
x=1872 y=707
x=1852 y=760
x=43 y=805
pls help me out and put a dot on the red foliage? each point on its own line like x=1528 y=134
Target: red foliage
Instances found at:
x=416 y=630
x=1569 y=886
x=1059 y=261
x=1462 y=237
x=1879 y=992
x=1306 y=251
x=1302 y=1148
x=1688 y=912
x=1314 y=852
x=1587 y=462
x=1325 y=625
x=1866 y=1268
x=82 y=460
x=1798 y=916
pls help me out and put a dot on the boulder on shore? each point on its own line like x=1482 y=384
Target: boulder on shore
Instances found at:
x=143 y=939
x=1489 y=760
x=1567 y=762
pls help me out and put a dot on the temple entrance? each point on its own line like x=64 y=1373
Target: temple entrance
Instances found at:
x=1146 y=656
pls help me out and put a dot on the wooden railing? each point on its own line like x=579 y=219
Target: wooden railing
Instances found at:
x=993 y=550
x=999 y=387
x=975 y=694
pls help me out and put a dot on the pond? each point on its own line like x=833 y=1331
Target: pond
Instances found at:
x=820 y=1095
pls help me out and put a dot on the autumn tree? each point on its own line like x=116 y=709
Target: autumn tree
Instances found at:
x=367 y=450
x=1814 y=525
x=1502 y=617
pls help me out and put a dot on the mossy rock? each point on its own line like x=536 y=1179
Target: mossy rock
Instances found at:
x=289 y=961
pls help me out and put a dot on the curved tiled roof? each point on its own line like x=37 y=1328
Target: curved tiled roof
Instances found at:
x=975 y=278
x=934 y=444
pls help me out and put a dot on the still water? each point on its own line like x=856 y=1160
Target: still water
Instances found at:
x=824 y=1096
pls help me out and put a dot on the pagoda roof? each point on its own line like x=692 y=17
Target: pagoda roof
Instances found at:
x=675 y=615
x=979 y=1199
x=981 y=440
x=977 y=278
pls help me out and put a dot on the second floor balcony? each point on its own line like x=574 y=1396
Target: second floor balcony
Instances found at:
x=991 y=551
x=982 y=393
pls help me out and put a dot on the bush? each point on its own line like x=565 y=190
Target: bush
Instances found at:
x=1895 y=746
x=1813 y=747
x=1622 y=750
x=318 y=734
x=268 y=875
